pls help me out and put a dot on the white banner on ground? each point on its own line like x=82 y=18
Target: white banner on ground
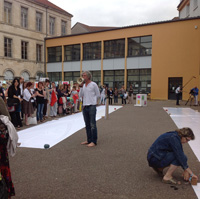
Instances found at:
x=55 y=131
x=187 y=117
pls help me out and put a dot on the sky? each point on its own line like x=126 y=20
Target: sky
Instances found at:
x=118 y=13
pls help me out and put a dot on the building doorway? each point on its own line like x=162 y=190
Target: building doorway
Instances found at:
x=173 y=83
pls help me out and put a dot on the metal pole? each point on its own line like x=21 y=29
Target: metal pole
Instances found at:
x=106 y=109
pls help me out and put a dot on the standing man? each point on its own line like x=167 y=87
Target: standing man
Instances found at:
x=178 y=93
x=195 y=93
x=89 y=91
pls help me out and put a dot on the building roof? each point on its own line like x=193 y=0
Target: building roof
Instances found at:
x=50 y=5
x=174 y=20
x=92 y=28
x=182 y=4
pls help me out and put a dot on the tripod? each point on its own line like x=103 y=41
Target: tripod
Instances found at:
x=190 y=99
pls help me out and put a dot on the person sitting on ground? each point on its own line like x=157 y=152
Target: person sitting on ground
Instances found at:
x=167 y=151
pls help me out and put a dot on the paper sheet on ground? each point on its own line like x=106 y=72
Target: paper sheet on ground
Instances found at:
x=187 y=117
x=53 y=132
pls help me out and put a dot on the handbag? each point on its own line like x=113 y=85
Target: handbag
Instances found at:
x=11 y=109
x=3 y=189
x=13 y=102
x=32 y=120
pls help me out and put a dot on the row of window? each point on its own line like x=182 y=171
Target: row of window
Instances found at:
x=140 y=79
x=24 y=49
x=39 y=19
x=137 y=46
x=9 y=75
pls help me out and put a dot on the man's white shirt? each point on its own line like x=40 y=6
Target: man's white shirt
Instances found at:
x=90 y=94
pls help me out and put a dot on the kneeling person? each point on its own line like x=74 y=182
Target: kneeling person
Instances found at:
x=167 y=151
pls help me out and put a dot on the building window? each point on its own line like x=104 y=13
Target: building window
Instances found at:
x=114 y=48
x=51 y=25
x=140 y=79
x=39 y=75
x=24 y=49
x=72 y=53
x=96 y=77
x=55 y=76
x=92 y=51
x=39 y=21
x=71 y=76
x=26 y=76
x=139 y=46
x=8 y=75
x=24 y=17
x=7 y=47
x=55 y=54
x=195 y=4
x=7 y=12
x=114 y=78
x=38 y=53
x=63 y=27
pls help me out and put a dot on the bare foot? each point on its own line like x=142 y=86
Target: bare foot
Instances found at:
x=91 y=144
x=84 y=143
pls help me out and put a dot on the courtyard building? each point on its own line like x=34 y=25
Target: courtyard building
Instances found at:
x=23 y=26
x=189 y=8
x=154 y=58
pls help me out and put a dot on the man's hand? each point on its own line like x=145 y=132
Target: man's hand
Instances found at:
x=81 y=85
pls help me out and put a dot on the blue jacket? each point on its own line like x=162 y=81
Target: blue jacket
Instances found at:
x=196 y=91
x=169 y=142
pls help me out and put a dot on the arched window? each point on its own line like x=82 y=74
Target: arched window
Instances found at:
x=38 y=75
x=8 y=75
x=26 y=76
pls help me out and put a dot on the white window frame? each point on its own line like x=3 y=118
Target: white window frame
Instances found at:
x=38 y=52
x=7 y=12
x=7 y=51
x=24 y=17
x=24 y=48
x=63 y=27
x=39 y=21
x=52 y=25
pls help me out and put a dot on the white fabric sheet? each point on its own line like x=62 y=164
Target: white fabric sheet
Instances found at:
x=55 y=131
x=187 y=117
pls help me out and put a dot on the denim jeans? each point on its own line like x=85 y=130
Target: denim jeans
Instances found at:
x=170 y=158
x=89 y=114
x=115 y=99
x=40 y=112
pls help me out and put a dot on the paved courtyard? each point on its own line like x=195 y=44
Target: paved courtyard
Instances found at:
x=116 y=169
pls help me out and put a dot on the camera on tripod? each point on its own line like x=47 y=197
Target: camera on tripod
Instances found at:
x=192 y=92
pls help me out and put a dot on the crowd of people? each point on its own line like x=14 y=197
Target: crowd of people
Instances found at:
x=115 y=94
x=48 y=99
x=24 y=98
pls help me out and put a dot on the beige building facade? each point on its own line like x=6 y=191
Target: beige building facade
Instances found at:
x=23 y=26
